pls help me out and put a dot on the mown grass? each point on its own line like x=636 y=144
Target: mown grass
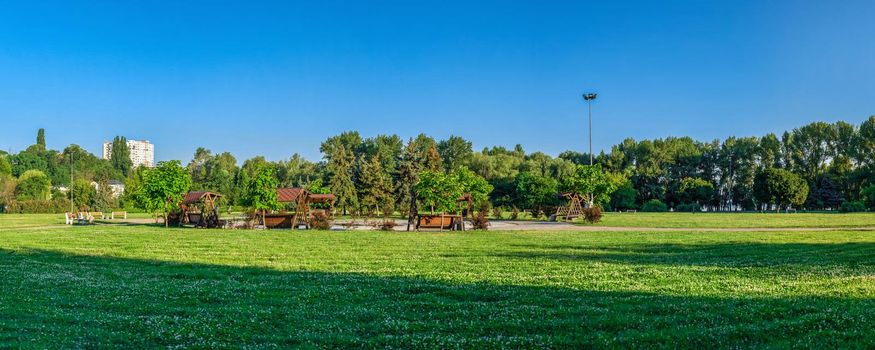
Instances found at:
x=138 y=286
x=738 y=220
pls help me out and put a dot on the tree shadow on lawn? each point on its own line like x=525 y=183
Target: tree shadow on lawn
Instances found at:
x=50 y=299
x=739 y=254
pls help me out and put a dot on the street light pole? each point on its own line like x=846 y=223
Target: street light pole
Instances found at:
x=70 y=189
x=589 y=97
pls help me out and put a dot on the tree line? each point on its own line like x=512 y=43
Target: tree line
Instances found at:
x=819 y=166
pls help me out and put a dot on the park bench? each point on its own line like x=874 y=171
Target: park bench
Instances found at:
x=78 y=218
x=96 y=214
x=122 y=214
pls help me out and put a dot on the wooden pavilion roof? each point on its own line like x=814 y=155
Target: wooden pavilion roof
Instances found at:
x=198 y=196
x=289 y=194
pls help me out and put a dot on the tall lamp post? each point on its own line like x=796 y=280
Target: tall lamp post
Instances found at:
x=70 y=189
x=589 y=97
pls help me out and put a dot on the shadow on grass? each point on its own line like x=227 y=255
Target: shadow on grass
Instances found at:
x=741 y=254
x=53 y=300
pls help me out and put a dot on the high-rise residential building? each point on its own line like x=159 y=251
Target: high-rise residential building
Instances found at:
x=142 y=152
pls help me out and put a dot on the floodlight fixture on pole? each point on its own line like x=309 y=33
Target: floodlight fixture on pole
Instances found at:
x=589 y=98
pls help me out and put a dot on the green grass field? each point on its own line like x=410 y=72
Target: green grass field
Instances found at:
x=144 y=286
x=738 y=220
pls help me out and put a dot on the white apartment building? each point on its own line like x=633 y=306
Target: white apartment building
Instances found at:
x=142 y=152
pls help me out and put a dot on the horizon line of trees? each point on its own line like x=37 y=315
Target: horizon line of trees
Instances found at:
x=819 y=166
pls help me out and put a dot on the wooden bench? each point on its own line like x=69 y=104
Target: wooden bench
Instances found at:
x=123 y=214
x=96 y=214
x=441 y=222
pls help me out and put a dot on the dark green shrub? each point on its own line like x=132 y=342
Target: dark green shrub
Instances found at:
x=57 y=205
x=852 y=207
x=654 y=205
x=868 y=195
x=689 y=207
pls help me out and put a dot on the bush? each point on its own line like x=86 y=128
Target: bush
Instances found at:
x=689 y=207
x=655 y=206
x=320 y=221
x=496 y=213
x=480 y=222
x=592 y=215
x=852 y=207
x=868 y=195
x=54 y=206
x=386 y=225
x=33 y=185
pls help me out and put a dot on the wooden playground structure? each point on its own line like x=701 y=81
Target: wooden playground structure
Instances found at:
x=303 y=214
x=200 y=208
x=572 y=210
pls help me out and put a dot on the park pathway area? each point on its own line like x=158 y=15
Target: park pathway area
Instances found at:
x=502 y=225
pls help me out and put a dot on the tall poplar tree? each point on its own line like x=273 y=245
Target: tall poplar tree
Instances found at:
x=120 y=157
x=408 y=175
x=41 y=139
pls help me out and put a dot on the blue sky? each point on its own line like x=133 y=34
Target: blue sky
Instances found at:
x=277 y=77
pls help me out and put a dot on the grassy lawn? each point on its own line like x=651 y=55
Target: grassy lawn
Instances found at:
x=141 y=286
x=738 y=220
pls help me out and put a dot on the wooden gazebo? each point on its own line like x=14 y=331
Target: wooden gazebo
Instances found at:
x=200 y=208
x=303 y=214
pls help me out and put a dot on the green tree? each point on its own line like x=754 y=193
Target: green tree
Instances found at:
x=376 y=188
x=439 y=191
x=164 y=187
x=261 y=190
x=866 y=143
x=534 y=191
x=41 y=138
x=455 y=152
x=340 y=167
x=351 y=142
x=33 y=185
x=590 y=180
x=83 y=194
x=120 y=156
x=296 y=171
x=780 y=187
x=624 y=197
x=5 y=167
x=409 y=168
x=695 y=190
x=104 y=199
x=473 y=184
x=868 y=195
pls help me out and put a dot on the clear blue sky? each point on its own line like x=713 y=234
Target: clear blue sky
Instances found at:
x=275 y=78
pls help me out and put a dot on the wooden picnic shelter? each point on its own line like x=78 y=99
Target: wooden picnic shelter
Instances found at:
x=301 y=200
x=200 y=208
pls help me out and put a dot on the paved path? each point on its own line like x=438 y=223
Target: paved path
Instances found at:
x=563 y=226
x=509 y=225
